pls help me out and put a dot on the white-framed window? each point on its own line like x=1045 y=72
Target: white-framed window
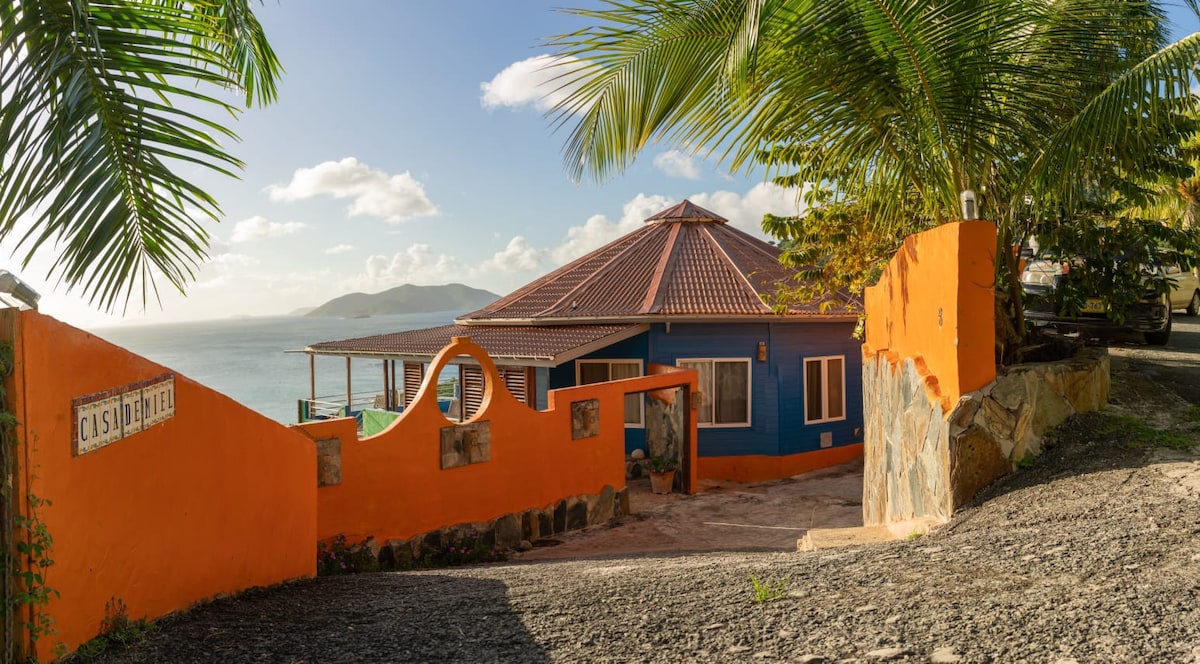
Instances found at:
x=599 y=371
x=724 y=385
x=824 y=389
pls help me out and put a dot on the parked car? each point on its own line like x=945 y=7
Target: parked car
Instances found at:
x=1185 y=289
x=1150 y=316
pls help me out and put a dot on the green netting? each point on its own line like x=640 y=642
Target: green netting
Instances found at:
x=374 y=421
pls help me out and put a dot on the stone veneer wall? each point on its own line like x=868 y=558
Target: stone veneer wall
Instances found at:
x=927 y=463
x=512 y=531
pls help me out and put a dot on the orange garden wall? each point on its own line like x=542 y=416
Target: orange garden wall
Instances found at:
x=214 y=500
x=934 y=303
x=939 y=423
x=930 y=341
x=393 y=485
x=217 y=498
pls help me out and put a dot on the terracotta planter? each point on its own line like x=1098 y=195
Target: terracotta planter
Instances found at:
x=662 y=482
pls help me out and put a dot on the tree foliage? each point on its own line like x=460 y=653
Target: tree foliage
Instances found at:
x=105 y=105
x=1044 y=107
x=1118 y=257
x=838 y=248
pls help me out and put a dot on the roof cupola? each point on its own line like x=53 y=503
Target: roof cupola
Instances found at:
x=686 y=211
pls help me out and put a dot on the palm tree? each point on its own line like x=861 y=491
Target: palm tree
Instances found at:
x=1041 y=106
x=103 y=105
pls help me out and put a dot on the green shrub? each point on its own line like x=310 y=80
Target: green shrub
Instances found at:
x=1192 y=414
x=116 y=629
x=768 y=591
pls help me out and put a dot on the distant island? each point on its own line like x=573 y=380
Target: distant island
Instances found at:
x=406 y=299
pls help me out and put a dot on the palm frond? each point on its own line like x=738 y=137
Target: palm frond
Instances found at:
x=1009 y=97
x=95 y=138
x=1125 y=120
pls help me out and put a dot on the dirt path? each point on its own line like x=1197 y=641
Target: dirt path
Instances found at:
x=724 y=516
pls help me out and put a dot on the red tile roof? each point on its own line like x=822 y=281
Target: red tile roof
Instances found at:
x=686 y=262
x=549 y=345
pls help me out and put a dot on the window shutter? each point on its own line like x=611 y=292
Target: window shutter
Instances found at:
x=414 y=373
x=531 y=387
x=472 y=389
x=515 y=380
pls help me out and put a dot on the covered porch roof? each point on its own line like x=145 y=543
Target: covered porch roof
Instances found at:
x=538 y=346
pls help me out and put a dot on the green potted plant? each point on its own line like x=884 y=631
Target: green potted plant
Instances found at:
x=662 y=474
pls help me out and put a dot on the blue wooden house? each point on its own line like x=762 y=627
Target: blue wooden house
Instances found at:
x=780 y=391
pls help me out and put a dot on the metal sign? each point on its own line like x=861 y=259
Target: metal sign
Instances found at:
x=105 y=417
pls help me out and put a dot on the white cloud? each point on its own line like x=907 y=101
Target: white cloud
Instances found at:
x=746 y=211
x=230 y=259
x=217 y=246
x=258 y=228
x=339 y=249
x=418 y=264
x=598 y=230
x=677 y=164
x=239 y=280
x=518 y=256
x=541 y=82
x=520 y=261
x=395 y=198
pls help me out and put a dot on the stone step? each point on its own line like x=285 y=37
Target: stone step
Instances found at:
x=832 y=538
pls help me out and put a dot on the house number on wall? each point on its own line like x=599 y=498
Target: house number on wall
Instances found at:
x=105 y=417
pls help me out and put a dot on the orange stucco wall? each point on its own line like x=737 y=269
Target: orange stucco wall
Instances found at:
x=214 y=500
x=761 y=468
x=934 y=302
x=393 y=486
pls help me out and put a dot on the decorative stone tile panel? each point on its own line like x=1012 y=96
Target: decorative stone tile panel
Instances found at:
x=585 y=419
x=329 y=462
x=464 y=444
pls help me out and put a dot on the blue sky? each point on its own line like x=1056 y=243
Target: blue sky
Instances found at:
x=409 y=145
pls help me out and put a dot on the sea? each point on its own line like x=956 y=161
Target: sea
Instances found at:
x=247 y=359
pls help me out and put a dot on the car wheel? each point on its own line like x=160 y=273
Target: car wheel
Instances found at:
x=1161 y=337
x=1193 y=307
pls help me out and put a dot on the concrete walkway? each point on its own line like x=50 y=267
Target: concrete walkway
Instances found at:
x=723 y=516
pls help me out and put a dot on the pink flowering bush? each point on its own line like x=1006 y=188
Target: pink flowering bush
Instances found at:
x=467 y=550
x=339 y=557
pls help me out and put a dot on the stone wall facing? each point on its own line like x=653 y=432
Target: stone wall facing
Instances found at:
x=924 y=462
x=518 y=531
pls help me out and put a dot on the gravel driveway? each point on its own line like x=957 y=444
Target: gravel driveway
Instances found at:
x=1178 y=364
x=1092 y=555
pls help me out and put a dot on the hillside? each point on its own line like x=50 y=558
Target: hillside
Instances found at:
x=406 y=299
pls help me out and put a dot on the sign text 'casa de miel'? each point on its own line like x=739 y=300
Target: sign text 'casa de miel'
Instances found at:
x=105 y=417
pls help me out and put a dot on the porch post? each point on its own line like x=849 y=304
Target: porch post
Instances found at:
x=349 y=406
x=387 y=394
x=312 y=377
